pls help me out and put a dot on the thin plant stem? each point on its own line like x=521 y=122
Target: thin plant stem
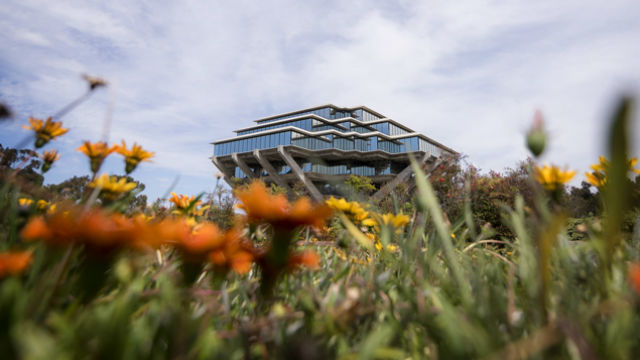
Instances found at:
x=72 y=105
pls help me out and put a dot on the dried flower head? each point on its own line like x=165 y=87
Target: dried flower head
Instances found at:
x=94 y=82
x=48 y=158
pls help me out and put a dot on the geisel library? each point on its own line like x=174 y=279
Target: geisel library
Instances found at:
x=321 y=146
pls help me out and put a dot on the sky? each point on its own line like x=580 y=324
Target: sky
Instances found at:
x=182 y=74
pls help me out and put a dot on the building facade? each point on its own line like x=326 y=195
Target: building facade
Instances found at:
x=321 y=146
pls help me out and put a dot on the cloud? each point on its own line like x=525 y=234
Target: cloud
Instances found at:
x=468 y=74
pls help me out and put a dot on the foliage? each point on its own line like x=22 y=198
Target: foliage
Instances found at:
x=73 y=188
x=360 y=184
x=91 y=279
x=23 y=162
x=221 y=206
x=582 y=202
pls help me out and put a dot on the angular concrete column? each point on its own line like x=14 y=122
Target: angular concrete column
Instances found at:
x=402 y=176
x=225 y=173
x=243 y=166
x=315 y=194
x=270 y=170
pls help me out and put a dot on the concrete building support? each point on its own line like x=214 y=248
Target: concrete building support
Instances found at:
x=402 y=176
x=270 y=170
x=243 y=166
x=315 y=194
x=225 y=173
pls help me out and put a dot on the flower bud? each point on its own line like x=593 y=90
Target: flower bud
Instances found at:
x=40 y=142
x=45 y=167
x=130 y=166
x=537 y=137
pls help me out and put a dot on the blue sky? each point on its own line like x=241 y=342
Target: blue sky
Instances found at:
x=469 y=74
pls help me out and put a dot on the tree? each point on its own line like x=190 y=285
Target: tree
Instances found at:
x=581 y=202
x=25 y=161
x=71 y=189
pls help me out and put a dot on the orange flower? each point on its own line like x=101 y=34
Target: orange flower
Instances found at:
x=13 y=263
x=234 y=252
x=96 y=152
x=95 y=229
x=134 y=156
x=48 y=158
x=634 y=276
x=204 y=239
x=187 y=205
x=261 y=206
x=307 y=259
x=45 y=130
x=183 y=201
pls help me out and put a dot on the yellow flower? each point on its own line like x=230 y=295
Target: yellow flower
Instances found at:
x=112 y=187
x=551 y=177
x=598 y=177
x=133 y=156
x=378 y=246
x=631 y=164
x=96 y=152
x=183 y=201
x=368 y=222
x=42 y=204
x=45 y=130
x=353 y=210
x=142 y=218
x=392 y=248
x=25 y=202
x=397 y=221
x=389 y=247
x=338 y=204
x=187 y=205
x=602 y=165
x=51 y=209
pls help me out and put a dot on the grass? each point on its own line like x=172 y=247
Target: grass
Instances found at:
x=445 y=290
